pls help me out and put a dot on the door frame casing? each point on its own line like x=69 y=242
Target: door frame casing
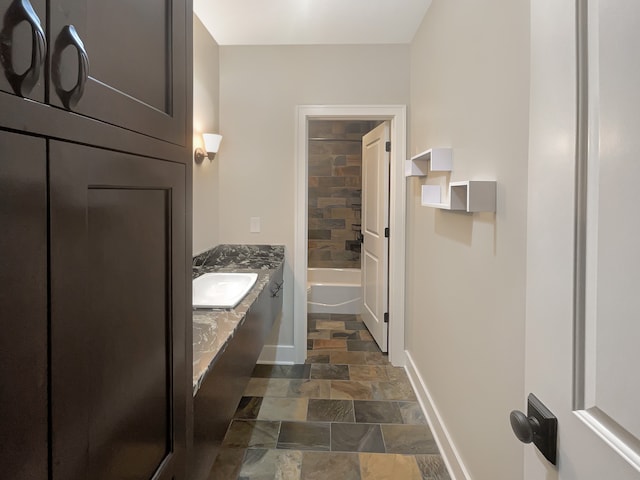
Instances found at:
x=397 y=115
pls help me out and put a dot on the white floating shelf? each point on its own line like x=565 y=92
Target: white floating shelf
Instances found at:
x=432 y=160
x=432 y=196
x=468 y=196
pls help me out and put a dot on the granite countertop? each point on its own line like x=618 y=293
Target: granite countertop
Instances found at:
x=214 y=328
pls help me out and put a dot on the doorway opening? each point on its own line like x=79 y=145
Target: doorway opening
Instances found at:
x=335 y=192
x=334 y=200
x=316 y=243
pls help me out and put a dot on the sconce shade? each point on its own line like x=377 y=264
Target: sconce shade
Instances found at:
x=211 y=142
x=211 y=145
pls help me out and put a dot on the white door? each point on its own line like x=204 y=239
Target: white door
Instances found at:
x=375 y=219
x=583 y=259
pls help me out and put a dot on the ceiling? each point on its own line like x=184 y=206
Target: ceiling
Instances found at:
x=311 y=22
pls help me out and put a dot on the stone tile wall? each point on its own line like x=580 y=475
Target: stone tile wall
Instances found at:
x=335 y=186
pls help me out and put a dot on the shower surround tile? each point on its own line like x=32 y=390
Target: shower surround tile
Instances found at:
x=335 y=190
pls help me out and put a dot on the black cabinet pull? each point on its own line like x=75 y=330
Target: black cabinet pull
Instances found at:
x=276 y=289
x=69 y=37
x=21 y=11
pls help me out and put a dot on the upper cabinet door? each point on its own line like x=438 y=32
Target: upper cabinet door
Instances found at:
x=122 y=62
x=23 y=48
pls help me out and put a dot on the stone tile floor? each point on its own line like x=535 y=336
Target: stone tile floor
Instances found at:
x=346 y=414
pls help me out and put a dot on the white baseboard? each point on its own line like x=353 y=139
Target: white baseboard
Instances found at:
x=278 y=354
x=448 y=450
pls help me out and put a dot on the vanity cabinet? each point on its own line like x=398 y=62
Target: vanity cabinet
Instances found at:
x=217 y=399
x=95 y=239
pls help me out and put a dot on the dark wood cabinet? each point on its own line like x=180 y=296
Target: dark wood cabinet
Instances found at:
x=148 y=36
x=23 y=307
x=118 y=302
x=95 y=239
x=120 y=62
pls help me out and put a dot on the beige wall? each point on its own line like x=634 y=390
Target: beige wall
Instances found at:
x=205 y=119
x=466 y=272
x=260 y=88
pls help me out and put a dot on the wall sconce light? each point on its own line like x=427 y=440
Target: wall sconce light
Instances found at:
x=211 y=145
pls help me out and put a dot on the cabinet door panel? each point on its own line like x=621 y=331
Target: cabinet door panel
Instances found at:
x=136 y=51
x=119 y=328
x=18 y=52
x=23 y=307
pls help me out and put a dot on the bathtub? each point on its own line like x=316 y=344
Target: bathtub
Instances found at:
x=334 y=290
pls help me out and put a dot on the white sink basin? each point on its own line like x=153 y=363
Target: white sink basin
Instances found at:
x=221 y=290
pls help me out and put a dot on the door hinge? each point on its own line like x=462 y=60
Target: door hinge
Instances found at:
x=386 y=317
x=386 y=232
x=387 y=147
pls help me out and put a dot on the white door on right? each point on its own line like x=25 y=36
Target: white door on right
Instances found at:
x=375 y=219
x=583 y=236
